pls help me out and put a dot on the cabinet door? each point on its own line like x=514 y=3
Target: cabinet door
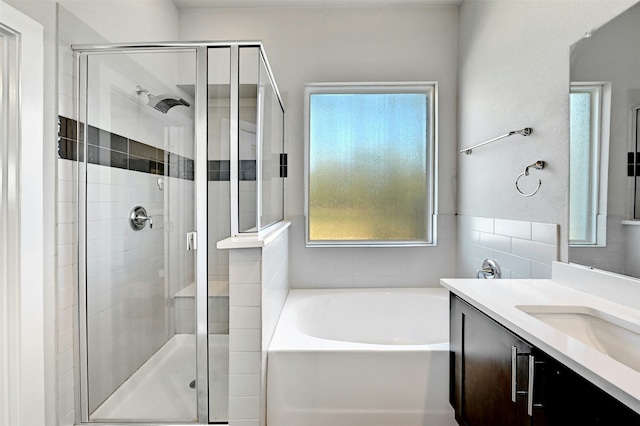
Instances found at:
x=481 y=381
x=482 y=370
x=564 y=398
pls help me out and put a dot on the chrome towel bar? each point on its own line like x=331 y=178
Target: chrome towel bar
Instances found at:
x=524 y=132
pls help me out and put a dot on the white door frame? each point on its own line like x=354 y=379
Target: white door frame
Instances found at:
x=22 y=380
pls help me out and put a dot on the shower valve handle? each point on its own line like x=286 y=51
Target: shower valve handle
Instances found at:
x=144 y=218
x=138 y=218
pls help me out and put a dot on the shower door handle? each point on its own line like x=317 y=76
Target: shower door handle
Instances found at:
x=192 y=240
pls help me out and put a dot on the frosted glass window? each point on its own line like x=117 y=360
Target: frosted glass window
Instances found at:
x=369 y=165
x=590 y=112
x=580 y=167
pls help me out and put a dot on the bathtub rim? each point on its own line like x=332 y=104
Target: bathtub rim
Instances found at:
x=288 y=338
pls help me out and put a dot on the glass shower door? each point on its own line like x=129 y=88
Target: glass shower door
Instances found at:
x=137 y=204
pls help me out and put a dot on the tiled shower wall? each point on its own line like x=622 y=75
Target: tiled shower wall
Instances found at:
x=130 y=279
x=521 y=249
x=127 y=289
x=67 y=291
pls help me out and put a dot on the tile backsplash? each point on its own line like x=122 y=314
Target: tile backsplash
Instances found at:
x=522 y=249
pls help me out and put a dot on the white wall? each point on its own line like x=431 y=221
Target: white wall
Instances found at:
x=513 y=72
x=351 y=44
x=24 y=261
x=132 y=21
x=128 y=20
x=45 y=15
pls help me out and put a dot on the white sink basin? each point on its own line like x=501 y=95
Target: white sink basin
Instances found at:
x=611 y=335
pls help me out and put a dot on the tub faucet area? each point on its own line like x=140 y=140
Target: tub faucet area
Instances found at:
x=490 y=270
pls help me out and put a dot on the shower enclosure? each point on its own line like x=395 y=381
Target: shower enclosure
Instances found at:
x=180 y=145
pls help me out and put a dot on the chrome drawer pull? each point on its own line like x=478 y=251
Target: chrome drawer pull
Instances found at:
x=514 y=368
x=532 y=370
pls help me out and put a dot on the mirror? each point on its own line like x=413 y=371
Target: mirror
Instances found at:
x=604 y=223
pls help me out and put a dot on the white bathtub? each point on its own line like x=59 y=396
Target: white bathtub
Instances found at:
x=371 y=357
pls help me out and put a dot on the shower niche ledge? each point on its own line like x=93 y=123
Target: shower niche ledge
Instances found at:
x=215 y=289
x=217 y=303
x=262 y=239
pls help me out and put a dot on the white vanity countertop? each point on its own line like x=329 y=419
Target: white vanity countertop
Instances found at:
x=498 y=299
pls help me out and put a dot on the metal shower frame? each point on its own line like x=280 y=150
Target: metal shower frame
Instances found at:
x=201 y=194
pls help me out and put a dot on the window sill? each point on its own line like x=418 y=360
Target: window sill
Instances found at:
x=370 y=245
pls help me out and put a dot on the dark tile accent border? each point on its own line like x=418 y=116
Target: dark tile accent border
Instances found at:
x=179 y=166
x=67 y=128
x=112 y=150
x=69 y=149
x=107 y=157
x=141 y=150
x=219 y=170
x=104 y=139
x=247 y=170
x=283 y=166
x=68 y=140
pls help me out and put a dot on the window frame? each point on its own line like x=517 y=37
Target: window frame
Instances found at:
x=599 y=165
x=427 y=87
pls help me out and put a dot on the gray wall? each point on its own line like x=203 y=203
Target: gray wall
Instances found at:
x=513 y=72
x=352 y=44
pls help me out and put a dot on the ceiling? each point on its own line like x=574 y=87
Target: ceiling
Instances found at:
x=199 y=4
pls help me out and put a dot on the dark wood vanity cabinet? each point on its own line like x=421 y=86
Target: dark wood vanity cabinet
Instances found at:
x=481 y=370
x=490 y=381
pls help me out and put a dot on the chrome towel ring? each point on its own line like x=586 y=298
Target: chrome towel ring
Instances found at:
x=538 y=165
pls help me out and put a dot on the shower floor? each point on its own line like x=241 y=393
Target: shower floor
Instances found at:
x=160 y=390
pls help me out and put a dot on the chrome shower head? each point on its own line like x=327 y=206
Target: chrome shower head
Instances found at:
x=162 y=103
